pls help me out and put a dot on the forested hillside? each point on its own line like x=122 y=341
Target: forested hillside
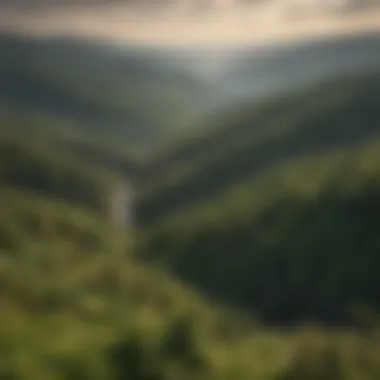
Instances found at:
x=298 y=242
x=257 y=227
x=125 y=97
x=275 y=210
x=47 y=171
x=247 y=139
x=76 y=303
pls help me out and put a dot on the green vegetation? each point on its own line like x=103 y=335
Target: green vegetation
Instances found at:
x=46 y=170
x=249 y=139
x=280 y=218
x=299 y=243
x=252 y=234
x=128 y=98
x=76 y=303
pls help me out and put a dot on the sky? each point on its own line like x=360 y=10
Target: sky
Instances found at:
x=271 y=21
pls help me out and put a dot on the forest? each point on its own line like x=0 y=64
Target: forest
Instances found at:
x=255 y=248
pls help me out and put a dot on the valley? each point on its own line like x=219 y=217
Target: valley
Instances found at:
x=173 y=213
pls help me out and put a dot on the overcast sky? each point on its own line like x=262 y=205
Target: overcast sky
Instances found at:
x=273 y=21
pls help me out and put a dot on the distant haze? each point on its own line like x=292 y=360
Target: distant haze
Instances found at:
x=223 y=23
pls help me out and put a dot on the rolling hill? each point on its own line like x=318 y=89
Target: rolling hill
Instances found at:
x=74 y=302
x=141 y=99
x=273 y=209
x=128 y=98
x=266 y=70
x=77 y=302
x=265 y=218
x=300 y=241
x=247 y=139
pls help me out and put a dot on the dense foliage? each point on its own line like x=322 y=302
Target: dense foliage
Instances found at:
x=301 y=242
x=292 y=234
x=75 y=304
x=34 y=165
x=75 y=89
x=250 y=138
x=270 y=216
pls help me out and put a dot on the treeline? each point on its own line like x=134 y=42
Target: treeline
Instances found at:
x=40 y=166
x=75 y=304
x=246 y=140
x=299 y=242
x=125 y=96
x=272 y=213
x=120 y=162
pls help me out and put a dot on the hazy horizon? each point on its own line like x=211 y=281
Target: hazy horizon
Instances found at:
x=274 y=21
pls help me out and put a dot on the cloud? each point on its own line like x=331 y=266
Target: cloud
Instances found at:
x=273 y=20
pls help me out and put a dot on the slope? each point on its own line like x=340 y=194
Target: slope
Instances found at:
x=298 y=241
x=128 y=97
x=244 y=140
x=40 y=167
x=76 y=304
